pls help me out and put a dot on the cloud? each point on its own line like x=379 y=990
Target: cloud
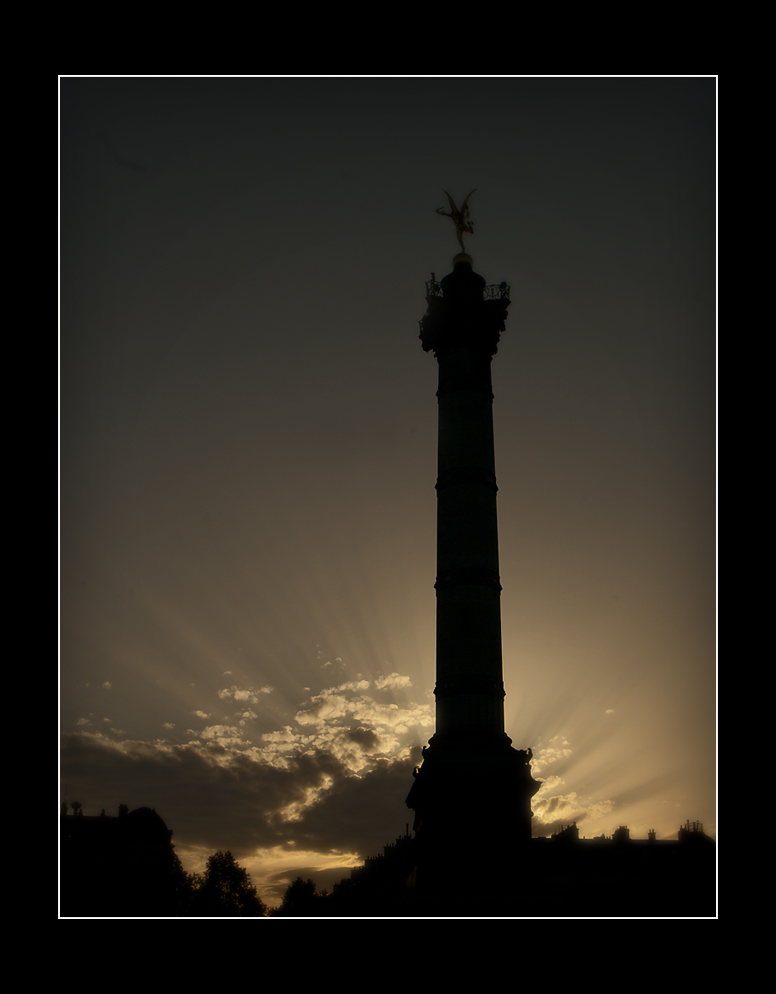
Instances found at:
x=215 y=795
x=325 y=708
x=549 y=784
x=226 y=735
x=361 y=813
x=243 y=694
x=543 y=756
x=358 y=749
x=392 y=680
x=349 y=685
x=553 y=813
x=334 y=781
x=106 y=686
x=364 y=738
x=335 y=705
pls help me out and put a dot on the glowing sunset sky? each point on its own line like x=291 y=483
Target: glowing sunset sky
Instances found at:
x=248 y=449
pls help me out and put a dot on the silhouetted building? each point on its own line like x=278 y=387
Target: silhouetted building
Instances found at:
x=117 y=866
x=621 y=876
x=470 y=769
x=563 y=876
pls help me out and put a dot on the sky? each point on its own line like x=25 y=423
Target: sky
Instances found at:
x=248 y=449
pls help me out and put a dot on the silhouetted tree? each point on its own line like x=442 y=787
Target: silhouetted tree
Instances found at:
x=184 y=887
x=300 y=900
x=225 y=891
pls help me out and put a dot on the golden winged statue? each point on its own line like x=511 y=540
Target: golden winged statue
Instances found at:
x=460 y=217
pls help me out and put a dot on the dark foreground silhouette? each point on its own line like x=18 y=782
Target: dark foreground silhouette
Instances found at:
x=126 y=866
x=562 y=876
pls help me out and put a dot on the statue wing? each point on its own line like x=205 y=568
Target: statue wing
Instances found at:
x=464 y=207
x=451 y=201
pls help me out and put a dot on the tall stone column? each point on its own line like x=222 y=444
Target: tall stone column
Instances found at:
x=471 y=776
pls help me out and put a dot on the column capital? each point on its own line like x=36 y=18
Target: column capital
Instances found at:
x=464 y=312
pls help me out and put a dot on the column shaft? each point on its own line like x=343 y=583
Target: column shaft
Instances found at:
x=469 y=685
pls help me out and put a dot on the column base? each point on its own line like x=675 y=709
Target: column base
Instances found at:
x=471 y=797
